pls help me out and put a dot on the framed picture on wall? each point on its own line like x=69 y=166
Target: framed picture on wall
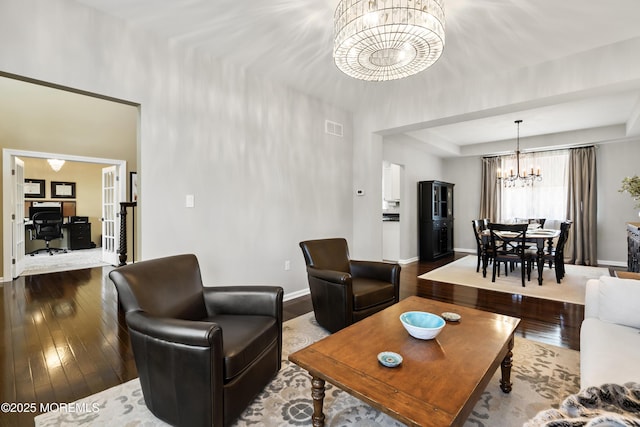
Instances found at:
x=133 y=186
x=63 y=190
x=34 y=188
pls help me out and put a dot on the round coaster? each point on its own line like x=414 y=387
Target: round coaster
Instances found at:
x=451 y=317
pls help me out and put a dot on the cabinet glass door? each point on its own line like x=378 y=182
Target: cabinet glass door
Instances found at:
x=444 y=210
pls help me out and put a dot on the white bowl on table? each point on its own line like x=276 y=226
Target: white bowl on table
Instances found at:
x=421 y=324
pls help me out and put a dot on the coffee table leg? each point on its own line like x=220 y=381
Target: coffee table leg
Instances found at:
x=317 y=393
x=505 y=367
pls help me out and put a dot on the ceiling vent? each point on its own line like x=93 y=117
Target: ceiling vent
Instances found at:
x=333 y=128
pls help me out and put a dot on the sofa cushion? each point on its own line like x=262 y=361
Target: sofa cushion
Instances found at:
x=619 y=301
x=609 y=353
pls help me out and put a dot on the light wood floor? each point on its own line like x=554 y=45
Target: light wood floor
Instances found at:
x=63 y=338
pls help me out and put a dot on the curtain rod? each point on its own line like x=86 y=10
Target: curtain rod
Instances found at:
x=559 y=148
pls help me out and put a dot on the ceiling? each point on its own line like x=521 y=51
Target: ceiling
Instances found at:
x=291 y=41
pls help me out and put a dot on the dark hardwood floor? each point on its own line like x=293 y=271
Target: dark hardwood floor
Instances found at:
x=63 y=337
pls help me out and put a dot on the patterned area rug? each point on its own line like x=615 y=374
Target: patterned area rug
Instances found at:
x=542 y=376
x=571 y=289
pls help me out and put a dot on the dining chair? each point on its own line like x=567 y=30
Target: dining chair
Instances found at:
x=510 y=246
x=540 y=221
x=556 y=256
x=480 y=225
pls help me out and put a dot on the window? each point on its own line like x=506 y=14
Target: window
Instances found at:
x=544 y=199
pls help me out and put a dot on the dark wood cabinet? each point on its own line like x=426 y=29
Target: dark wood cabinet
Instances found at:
x=79 y=235
x=435 y=219
x=633 y=242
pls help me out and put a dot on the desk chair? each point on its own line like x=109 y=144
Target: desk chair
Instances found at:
x=47 y=226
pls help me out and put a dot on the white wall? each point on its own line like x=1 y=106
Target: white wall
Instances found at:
x=554 y=81
x=253 y=153
x=419 y=165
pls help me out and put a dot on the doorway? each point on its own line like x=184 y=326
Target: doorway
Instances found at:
x=43 y=118
x=392 y=189
x=14 y=259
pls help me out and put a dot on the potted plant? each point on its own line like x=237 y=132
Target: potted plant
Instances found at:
x=631 y=185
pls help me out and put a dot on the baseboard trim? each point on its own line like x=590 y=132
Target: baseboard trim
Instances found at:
x=296 y=294
x=612 y=263
x=466 y=251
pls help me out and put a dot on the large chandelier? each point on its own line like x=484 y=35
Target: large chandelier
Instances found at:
x=514 y=177
x=378 y=40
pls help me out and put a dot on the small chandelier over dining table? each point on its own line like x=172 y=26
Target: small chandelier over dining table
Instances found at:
x=524 y=177
x=380 y=40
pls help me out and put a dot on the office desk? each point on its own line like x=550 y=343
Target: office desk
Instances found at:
x=76 y=235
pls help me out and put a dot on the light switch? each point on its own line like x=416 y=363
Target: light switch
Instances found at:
x=190 y=201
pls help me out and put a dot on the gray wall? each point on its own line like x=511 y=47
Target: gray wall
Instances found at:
x=418 y=165
x=614 y=161
x=565 y=78
x=253 y=153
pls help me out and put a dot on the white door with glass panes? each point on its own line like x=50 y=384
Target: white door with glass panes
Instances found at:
x=17 y=219
x=110 y=215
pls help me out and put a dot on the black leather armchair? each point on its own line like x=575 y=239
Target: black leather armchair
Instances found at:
x=202 y=353
x=344 y=291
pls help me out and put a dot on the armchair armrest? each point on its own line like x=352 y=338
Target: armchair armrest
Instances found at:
x=187 y=332
x=384 y=271
x=251 y=300
x=329 y=275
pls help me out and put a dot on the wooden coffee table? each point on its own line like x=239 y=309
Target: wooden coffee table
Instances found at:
x=439 y=381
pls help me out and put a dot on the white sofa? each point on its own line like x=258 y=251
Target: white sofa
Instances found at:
x=610 y=332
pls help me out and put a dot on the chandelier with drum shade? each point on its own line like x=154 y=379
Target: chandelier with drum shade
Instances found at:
x=379 y=40
x=522 y=177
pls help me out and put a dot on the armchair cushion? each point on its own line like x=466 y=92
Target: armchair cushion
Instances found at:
x=153 y=288
x=245 y=339
x=368 y=293
x=327 y=254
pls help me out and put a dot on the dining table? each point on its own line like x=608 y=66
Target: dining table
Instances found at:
x=541 y=237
